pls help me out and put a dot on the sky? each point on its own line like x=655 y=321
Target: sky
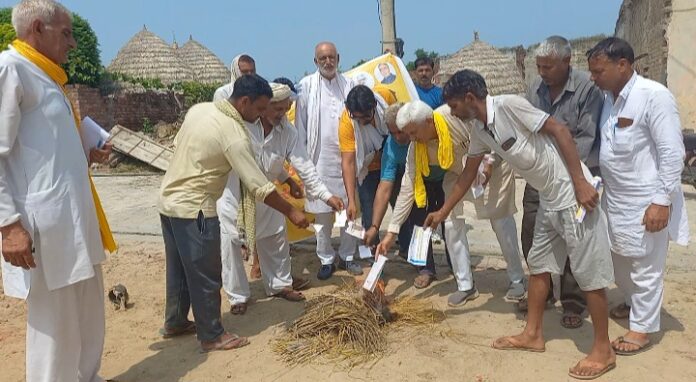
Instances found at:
x=281 y=34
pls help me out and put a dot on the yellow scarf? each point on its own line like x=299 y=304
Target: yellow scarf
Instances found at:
x=58 y=75
x=445 y=157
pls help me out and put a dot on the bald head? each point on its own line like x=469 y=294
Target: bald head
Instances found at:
x=326 y=59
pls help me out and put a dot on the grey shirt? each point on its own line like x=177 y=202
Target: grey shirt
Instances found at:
x=579 y=107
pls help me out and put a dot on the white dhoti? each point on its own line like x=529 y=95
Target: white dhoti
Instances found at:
x=65 y=330
x=641 y=280
x=274 y=259
x=325 y=251
x=458 y=247
x=506 y=232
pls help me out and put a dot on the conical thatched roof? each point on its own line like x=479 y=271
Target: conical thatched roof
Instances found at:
x=148 y=56
x=498 y=69
x=207 y=67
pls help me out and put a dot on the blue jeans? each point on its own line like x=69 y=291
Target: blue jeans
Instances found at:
x=366 y=192
x=194 y=274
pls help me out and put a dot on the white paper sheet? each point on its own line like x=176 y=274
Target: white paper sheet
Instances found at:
x=93 y=136
x=364 y=252
x=355 y=230
x=375 y=272
x=418 y=249
x=341 y=219
x=581 y=212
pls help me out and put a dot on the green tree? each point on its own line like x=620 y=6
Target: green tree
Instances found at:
x=84 y=64
x=420 y=52
x=362 y=61
x=7 y=34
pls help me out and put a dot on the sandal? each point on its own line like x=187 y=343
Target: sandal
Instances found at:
x=189 y=328
x=233 y=342
x=290 y=295
x=423 y=280
x=597 y=373
x=240 y=308
x=622 y=340
x=620 y=312
x=299 y=283
x=504 y=343
x=571 y=320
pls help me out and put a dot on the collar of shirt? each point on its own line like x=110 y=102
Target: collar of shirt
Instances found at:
x=490 y=111
x=623 y=95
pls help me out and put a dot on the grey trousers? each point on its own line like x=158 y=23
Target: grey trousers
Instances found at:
x=572 y=297
x=194 y=274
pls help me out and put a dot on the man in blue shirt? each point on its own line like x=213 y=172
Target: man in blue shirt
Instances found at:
x=427 y=92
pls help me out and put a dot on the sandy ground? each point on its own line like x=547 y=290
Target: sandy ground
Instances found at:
x=135 y=352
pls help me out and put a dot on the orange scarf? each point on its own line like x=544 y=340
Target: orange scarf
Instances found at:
x=58 y=75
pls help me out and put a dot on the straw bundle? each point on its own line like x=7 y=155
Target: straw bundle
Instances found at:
x=207 y=67
x=498 y=69
x=350 y=325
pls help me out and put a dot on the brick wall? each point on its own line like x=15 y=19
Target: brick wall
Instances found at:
x=128 y=108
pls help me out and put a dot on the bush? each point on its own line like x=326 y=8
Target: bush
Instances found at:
x=195 y=92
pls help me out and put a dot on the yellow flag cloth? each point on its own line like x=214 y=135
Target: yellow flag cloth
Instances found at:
x=58 y=75
x=445 y=158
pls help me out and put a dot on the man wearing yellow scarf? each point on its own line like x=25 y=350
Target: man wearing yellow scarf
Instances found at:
x=54 y=232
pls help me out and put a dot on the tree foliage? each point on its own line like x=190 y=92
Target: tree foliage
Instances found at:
x=7 y=34
x=420 y=52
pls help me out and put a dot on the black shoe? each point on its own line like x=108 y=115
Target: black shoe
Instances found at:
x=326 y=271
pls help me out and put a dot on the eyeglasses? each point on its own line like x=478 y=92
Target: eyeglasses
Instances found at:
x=327 y=58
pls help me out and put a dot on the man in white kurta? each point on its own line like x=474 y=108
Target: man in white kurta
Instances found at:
x=274 y=140
x=51 y=244
x=641 y=159
x=321 y=100
x=242 y=64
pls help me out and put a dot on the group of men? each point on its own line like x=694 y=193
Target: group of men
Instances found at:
x=355 y=149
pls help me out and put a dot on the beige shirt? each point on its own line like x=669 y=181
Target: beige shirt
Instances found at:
x=209 y=146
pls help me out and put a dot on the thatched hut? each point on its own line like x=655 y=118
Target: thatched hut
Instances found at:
x=207 y=67
x=498 y=69
x=146 y=55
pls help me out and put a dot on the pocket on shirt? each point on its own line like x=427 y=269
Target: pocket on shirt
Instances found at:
x=276 y=164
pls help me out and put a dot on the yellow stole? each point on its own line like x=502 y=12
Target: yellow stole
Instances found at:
x=445 y=157
x=58 y=75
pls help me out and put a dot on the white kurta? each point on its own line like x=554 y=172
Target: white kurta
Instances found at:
x=318 y=110
x=44 y=179
x=641 y=159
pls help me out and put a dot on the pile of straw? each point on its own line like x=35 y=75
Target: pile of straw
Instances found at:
x=350 y=325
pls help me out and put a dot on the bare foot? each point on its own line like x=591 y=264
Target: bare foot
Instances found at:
x=520 y=342
x=594 y=365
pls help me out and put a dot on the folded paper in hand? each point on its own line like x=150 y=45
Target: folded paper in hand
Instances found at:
x=341 y=219
x=355 y=230
x=375 y=272
x=93 y=136
x=418 y=249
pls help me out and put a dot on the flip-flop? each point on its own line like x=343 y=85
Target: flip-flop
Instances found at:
x=503 y=343
x=620 y=312
x=600 y=373
x=234 y=342
x=300 y=283
x=641 y=346
x=290 y=295
x=240 y=308
x=190 y=328
x=571 y=315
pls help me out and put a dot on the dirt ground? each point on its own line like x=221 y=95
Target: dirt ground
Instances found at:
x=135 y=352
